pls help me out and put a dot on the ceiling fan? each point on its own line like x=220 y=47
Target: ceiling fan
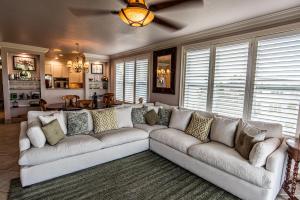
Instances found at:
x=138 y=14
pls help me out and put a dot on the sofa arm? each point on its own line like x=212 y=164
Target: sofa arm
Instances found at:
x=277 y=159
x=24 y=142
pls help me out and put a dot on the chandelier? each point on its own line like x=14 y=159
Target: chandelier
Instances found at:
x=77 y=63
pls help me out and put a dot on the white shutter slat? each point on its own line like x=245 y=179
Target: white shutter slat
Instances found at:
x=277 y=82
x=119 y=81
x=129 y=82
x=230 y=79
x=196 y=79
x=141 y=88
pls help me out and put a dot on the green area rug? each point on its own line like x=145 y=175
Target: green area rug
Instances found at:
x=142 y=176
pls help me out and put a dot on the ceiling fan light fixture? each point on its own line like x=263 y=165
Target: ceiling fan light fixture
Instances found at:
x=136 y=15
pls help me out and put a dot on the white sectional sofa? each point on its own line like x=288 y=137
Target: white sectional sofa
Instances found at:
x=213 y=161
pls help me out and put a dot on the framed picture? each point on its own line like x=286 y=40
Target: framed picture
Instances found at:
x=97 y=68
x=164 y=69
x=24 y=63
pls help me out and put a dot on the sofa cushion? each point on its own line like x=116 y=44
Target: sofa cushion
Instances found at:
x=149 y=128
x=180 y=119
x=77 y=123
x=124 y=117
x=261 y=151
x=227 y=159
x=53 y=132
x=121 y=136
x=151 y=117
x=164 y=116
x=166 y=106
x=89 y=116
x=33 y=116
x=35 y=134
x=46 y=119
x=199 y=127
x=223 y=130
x=104 y=120
x=69 y=146
x=174 y=138
x=137 y=115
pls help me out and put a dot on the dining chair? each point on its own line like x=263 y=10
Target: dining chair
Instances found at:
x=70 y=100
x=85 y=104
x=43 y=104
x=108 y=99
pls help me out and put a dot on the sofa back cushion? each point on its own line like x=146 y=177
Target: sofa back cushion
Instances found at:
x=124 y=117
x=104 y=120
x=180 y=119
x=223 y=130
x=271 y=129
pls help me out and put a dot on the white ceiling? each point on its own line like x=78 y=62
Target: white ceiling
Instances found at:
x=48 y=23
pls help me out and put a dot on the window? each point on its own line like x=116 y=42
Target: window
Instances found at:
x=119 y=81
x=129 y=82
x=132 y=80
x=141 y=84
x=196 y=79
x=230 y=79
x=277 y=82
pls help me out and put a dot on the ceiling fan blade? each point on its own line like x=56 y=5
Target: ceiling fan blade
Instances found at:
x=79 y=12
x=124 y=1
x=167 y=23
x=167 y=4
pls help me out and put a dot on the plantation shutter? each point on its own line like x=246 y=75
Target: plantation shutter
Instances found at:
x=196 y=79
x=277 y=82
x=119 y=81
x=141 y=85
x=129 y=82
x=230 y=79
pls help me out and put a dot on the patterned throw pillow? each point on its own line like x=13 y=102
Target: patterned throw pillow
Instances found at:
x=104 y=120
x=77 y=123
x=199 y=127
x=137 y=115
x=164 y=116
x=151 y=117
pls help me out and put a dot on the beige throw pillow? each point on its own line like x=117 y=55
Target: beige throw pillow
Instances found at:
x=247 y=138
x=53 y=132
x=261 y=151
x=199 y=127
x=104 y=120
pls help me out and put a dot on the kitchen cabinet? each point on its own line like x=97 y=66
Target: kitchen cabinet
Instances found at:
x=48 y=69
x=75 y=77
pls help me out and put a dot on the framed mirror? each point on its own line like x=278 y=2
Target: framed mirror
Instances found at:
x=164 y=69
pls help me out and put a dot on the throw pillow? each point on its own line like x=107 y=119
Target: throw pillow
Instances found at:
x=151 y=117
x=138 y=115
x=261 y=151
x=33 y=116
x=247 y=139
x=166 y=106
x=89 y=116
x=104 y=120
x=53 y=132
x=155 y=108
x=180 y=119
x=35 y=134
x=199 y=127
x=164 y=116
x=124 y=117
x=223 y=130
x=60 y=118
x=77 y=123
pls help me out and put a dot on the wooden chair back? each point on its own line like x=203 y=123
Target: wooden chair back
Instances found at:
x=70 y=100
x=108 y=99
x=43 y=105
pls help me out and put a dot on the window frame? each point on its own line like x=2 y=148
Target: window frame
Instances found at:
x=253 y=39
x=134 y=59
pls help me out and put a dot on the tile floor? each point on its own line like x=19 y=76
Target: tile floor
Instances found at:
x=9 y=154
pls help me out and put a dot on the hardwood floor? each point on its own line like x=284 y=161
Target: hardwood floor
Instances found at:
x=9 y=154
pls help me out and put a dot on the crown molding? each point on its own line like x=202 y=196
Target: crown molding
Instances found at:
x=23 y=47
x=96 y=56
x=245 y=25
